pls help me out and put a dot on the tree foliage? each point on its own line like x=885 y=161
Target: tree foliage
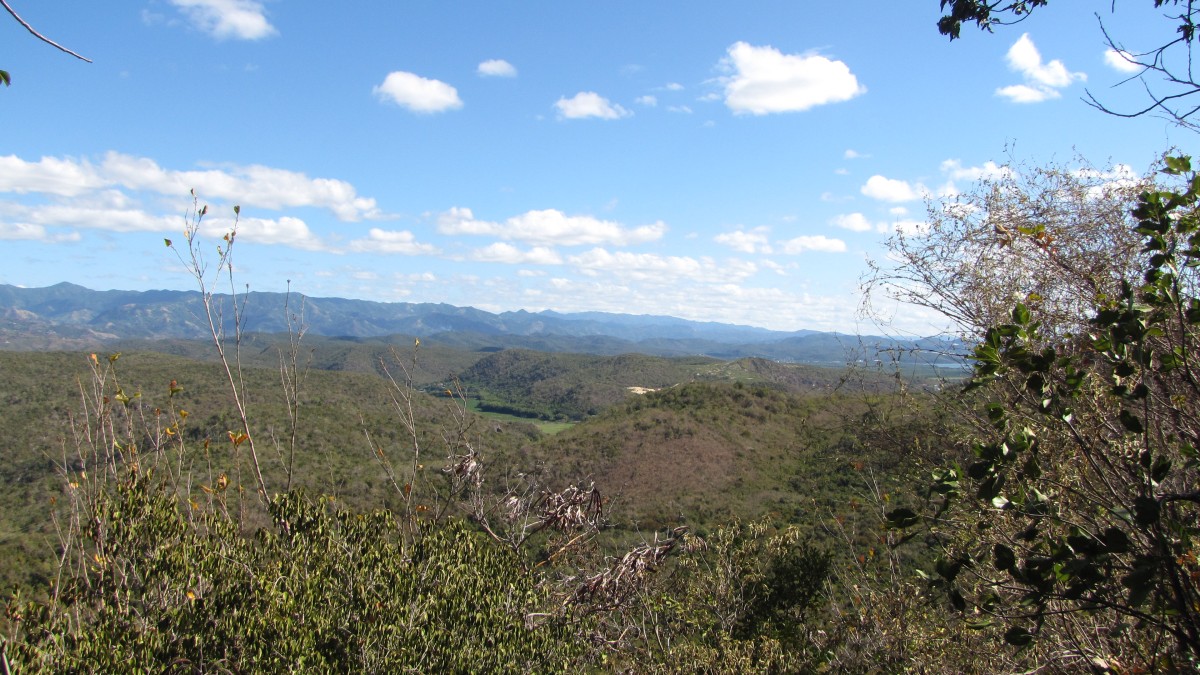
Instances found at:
x=1076 y=524
x=1056 y=238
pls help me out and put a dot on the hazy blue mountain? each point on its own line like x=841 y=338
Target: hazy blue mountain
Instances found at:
x=70 y=316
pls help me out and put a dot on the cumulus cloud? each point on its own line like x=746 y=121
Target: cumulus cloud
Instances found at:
x=391 y=241
x=253 y=185
x=647 y=100
x=954 y=169
x=589 y=104
x=891 y=189
x=673 y=86
x=85 y=215
x=765 y=80
x=507 y=253
x=285 y=231
x=496 y=68
x=549 y=227
x=1122 y=62
x=418 y=94
x=751 y=241
x=817 y=242
x=1042 y=80
x=855 y=222
x=50 y=175
x=236 y=19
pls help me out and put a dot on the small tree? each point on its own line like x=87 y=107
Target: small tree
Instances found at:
x=1057 y=238
x=1076 y=523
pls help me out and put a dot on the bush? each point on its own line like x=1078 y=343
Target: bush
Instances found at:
x=320 y=590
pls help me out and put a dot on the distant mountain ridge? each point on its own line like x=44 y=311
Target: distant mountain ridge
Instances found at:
x=66 y=314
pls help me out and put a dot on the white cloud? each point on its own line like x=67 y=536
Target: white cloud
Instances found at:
x=1042 y=80
x=636 y=264
x=647 y=100
x=891 y=190
x=252 y=186
x=855 y=222
x=391 y=241
x=63 y=177
x=989 y=171
x=1122 y=62
x=853 y=154
x=1022 y=93
x=549 y=227
x=752 y=241
x=589 y=104
x=767 y=81
x=818 y=242
x=664 y=270
x=29 y=232
x=679 y=109
x=85 y=215
x=673 y=86
x=285 y=231
x=417 y=93
x=496 y=68
x=237 y=19
x=507 y=253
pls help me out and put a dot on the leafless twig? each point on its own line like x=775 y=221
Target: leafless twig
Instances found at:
x=38 y=35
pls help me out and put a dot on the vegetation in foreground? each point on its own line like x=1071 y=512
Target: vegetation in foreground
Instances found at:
x=1062 y=511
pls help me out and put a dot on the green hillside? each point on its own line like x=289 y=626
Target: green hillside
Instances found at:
x=41 y=394
x=701 y=453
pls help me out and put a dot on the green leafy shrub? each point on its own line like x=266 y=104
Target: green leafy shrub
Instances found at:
x=320 y=590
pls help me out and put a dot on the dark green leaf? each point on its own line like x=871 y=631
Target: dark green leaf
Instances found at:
x=1004 y=557
x=898 y=519
x=1018 y=636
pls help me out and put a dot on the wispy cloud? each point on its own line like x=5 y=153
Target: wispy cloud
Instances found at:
x=756 y=240
x=502 y=252
x=549 y=227
x=496 y=68
x=817 y=242
x=1122 y=62
x=589 y=104
x=402 y=242
x=228 y=19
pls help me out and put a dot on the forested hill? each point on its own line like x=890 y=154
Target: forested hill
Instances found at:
x=67 y=316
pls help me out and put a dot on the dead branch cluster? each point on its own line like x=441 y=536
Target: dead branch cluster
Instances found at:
x=612 y=587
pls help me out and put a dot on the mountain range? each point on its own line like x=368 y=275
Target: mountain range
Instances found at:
x=68 y=316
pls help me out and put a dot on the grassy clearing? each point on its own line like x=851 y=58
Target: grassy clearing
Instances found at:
x=547 y=428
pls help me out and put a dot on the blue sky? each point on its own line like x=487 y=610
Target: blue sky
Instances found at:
x=716 y=161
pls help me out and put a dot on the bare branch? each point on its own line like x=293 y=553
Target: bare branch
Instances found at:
x=38 y=35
